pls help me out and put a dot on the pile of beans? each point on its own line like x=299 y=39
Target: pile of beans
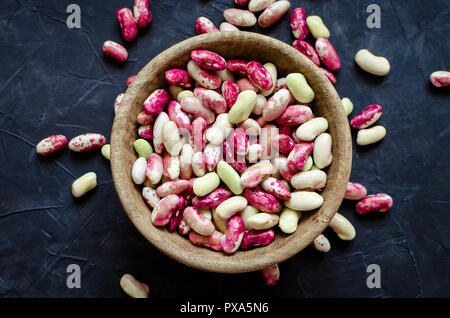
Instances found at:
x=213 y=163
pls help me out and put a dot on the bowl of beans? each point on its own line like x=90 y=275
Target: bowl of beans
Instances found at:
x=230 y=152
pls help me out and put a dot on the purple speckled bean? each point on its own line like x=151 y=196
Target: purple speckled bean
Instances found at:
x=197 y=222
x=355 y=191
x=276 y=105
x=179 y=117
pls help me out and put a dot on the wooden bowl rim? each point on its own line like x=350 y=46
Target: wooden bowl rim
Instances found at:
x=226 y=263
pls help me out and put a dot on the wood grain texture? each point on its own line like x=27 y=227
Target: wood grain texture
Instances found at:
x=244 y=45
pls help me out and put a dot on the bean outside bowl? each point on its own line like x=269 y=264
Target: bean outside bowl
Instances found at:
x=236 y=45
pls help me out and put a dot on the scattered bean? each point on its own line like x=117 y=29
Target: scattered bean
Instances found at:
x=83 y=184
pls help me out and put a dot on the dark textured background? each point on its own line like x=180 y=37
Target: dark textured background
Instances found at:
x=55 y=80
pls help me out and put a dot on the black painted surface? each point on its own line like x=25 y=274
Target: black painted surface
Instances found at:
x=55 y=80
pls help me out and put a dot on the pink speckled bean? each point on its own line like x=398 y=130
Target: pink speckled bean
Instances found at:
x=244 y=84
x=239 y=140
x=440 y=78
x=255 y=238
x=273 y=13
x=158 y=144
x=280 y=84
x=276 y=105
x=284 y=143
x=298 y=23
x=171 y=167
x=211 y=156
x=214 y=101
x=127 y=24
x=276 y=188
x=150 y=197
x=212 y=241
x=204 y=25
x=225 y=26
x=131 y=79
x=239 y=17
x=172 y=187
x=115 y=51
x=374 y=203
x=259 y=76
x=154 y=169
x=237 y=162
x=295 y=115
x=328 y=54
x=179 y=117
x=255 y=152
x=250 y=127
x=328 y=75
x=355 y=191
x=298 y=156
x=368 y=116
x=230 y=92
x=183 y=228
x=255 y=174
x=321 y=244
x=308 y=50
x=177 y=216
x=146 y=131
x=198 y=129
x=282 y=165
x=155 y=103
x=164 y=209
x=87 y=142
x=117 y=102
x=197 y=222
x=233 y=237
x=51 y=144
x=186 y=157
x=212 y=200
x=209 y=60
x=238 y=66
x=261 y=200
x=203 y=77
x=271 y=274
x=178 y=77
x=144 y=119
x=241 y=2
x=192 y=105
x=142 y=14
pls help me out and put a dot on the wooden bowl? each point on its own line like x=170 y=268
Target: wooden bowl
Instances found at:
x=248 y=46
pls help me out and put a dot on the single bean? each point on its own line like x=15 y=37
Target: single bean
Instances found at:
x=276 y=188
x=205 y=78
x=164 y=209
x=230 y=92
x=276 y=105
x=255 y=238
x=138 y=170
x=304 y=201
x=273 y=13
x=355 y=191
x=115 y=51
x=298 y=23
x=263 y=221
x=289 y=220
x=198 y=164
x=308 y=50
x=51 y=144
x=440 y=78
x=127 y=24
x=144 y=119
x=233 y=237
x=239 y=17
x=208 y=60
x=194 y=106
x=322 y=150
x=315 y=179
x=256 y=174
x=259 y=105
x=141 y=12
x=328 y=75
x=87 y=142
x=204 y=25
x=225 y=26
x=343 y=228
x=376 y=65
x=155 y=103
x=178 y=116
x=328 y=54
x=106 y=151
x=321 y=244
x=243 y=107
x=171 y=167
x=143 y=148
x=117 y=102
x=212 y=155
x=178 y=77
x=172 y=187
x=186 y=158
x=197 y=222
x=83 y=184
x=150 y=197
x=299 y=88
x=259 y=75
x=133 y=287
x=146 y=131
x=230 y=177
x=245 y=84
x=198 y=129
x=212 y=241
x=368 y=116
x=248 y=212
x=206 y=184
x=299 y=155
x=154 y=169
x=317 y=27
x=309 y=130
x=259 y=5
x=231 y=206
x=262 y=201
x=308 y=165
x=348 y=105
x=171 y=138
x=271 y=274
x=370 y=135
x=374 y=203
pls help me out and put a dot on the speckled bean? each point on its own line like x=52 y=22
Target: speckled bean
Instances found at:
x=198 y=164
x=204 y=25
x=193 y=106
x=214 y=101
x=271 y=274
x=368 y=116
x=198 y=129
x=186 y=158
x=150 y=196
x=276 y=105
x=328 y=54
x=142 y=14
x=299 y=155
x=440 y=78
x=164 y=209
x=178 y=77
x=308 y=50
x=212 y=241
x=298 y=23
x=259 y=75
x=321 y=244
x=256 y=174
x=155 y=103
x=374 y=203
x=282 y=165
x=255 y=238
x=328 y=75
x=233 y=237
x=115 y=51
x=212 y=200
x=317 y=27
x=343 y=228
x=83 y=184
x=259 y=5
x=154 y=168
x=259 y=105
x=273 y=13
x=205 y=78
x=238 y=66
x=295 y=115
x=262 y=201
x=376 y=65
x=254 y=153
x=370 y=135
x=212 y=155
x=51 y=144
x=171 y=167
x=144 y=119
x=117 y=102
x=299 y=88
x=355 y=191
x=87 y=142
x=172 y=187
x=208 y=60
x=197 y=222
x=304 y=201
x=276 y=188
x=146 y=131
x=239 y=17
x=127 y=24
